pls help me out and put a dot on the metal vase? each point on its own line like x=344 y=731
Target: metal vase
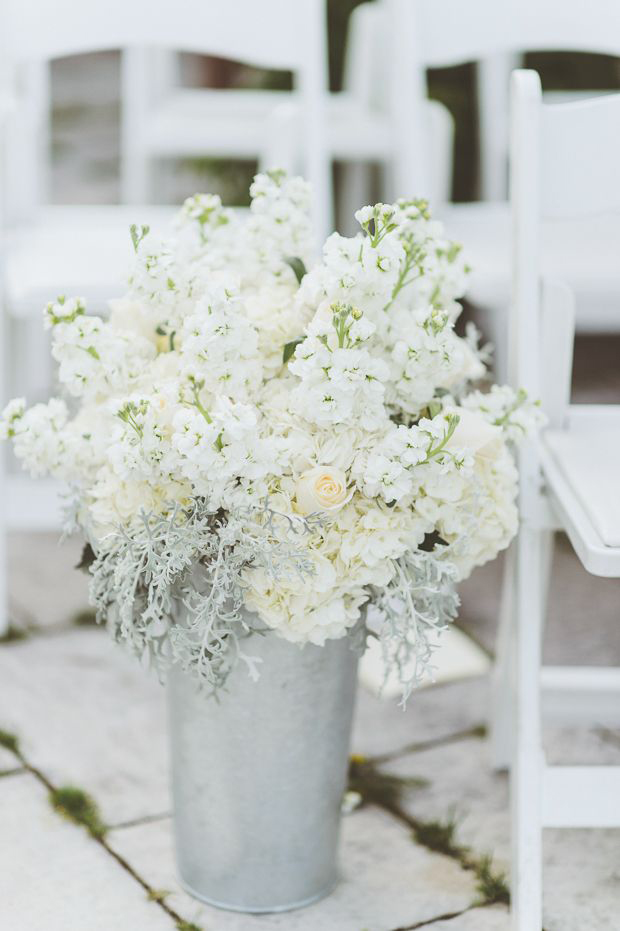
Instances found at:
x=258 y=776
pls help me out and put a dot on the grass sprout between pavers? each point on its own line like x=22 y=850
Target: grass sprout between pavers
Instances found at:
x=9 y=742
x=79 y=807
x=12 y=634
x=386 y=790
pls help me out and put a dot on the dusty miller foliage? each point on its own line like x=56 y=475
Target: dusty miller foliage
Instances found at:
x=413 y=609
x=172 y=591
x=172 y=588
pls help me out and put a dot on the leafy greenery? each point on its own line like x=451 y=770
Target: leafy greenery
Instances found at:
x=439 y=836
x=289 y=349
x=87 y=558
x=491 y=886
x=175 y=582
x=157 y=895
x=85 y=618
x=377 y=787
x=9 y=742
x=297 y=265
x=418 y=603
x=79 y=807
x=13 y=634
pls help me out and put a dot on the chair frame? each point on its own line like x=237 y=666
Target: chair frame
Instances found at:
x=238 y=30
x=479 y=30
x=550 y=145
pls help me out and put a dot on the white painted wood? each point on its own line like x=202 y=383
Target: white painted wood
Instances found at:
x=581 y=693
x=526 y=772
x=43 y=258
x=557 y=337
x=271 y=33
x=581 y=797
x=493 y=84
x=502 y=674
x=229 y=122
x=135 y=87
x=25 y=139
x=574 y=135
x=455 y=32
x=595 y=556
x=491 y=32
x=33 y=504
x=542 y=325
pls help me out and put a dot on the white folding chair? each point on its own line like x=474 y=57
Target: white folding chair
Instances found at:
x=440 y=33
x=164 y=120
x=564 y=164
x=51 y=250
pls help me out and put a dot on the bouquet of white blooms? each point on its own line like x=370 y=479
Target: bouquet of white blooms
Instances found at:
x=267 y=440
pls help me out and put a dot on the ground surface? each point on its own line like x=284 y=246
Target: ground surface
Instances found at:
x=85 y=715
x=413 y=854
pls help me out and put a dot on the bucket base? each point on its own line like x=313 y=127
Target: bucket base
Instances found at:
x=264 y=909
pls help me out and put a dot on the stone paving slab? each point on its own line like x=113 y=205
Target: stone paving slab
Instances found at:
x=387 y=880
x=105 y=729
x=54 y=877
x=582 y=867
x=88 y=715
x=45 y=590
x=7 y=761
x=382 y=726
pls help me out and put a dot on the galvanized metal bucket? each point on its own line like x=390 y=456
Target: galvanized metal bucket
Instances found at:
x=258 y=776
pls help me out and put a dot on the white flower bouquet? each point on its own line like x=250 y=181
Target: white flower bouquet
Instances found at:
x=272 y=440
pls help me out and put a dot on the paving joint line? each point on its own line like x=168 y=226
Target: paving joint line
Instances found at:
x=466 y=858
x=135 y=822
x=477 y=730
x=448 y=916
x=17 y=771
x=150 y=891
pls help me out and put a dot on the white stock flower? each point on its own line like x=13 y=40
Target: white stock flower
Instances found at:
x=240 y=373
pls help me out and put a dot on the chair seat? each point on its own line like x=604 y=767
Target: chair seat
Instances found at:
x=582 y=470
x=582 y=254
x=83 y=251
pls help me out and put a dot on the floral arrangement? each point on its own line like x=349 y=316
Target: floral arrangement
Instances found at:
x=257 y=439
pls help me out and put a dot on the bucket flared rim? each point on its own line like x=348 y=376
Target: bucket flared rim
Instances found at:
x=262 y=909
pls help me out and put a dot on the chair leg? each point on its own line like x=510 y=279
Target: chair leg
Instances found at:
x=4 y=387
x=502 y=686
x=527 y=762
x=4 y=588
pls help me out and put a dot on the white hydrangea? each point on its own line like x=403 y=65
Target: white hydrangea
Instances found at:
x=506 y=408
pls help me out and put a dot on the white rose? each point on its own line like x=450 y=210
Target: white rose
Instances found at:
x=323 y=488
x=476 y=435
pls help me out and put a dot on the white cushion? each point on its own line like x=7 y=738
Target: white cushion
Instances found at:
x=583 y=254
x=83 y=251
x=588 y=455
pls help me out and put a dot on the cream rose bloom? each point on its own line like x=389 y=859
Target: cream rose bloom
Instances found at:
x=323 y=488
x=476 y=435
